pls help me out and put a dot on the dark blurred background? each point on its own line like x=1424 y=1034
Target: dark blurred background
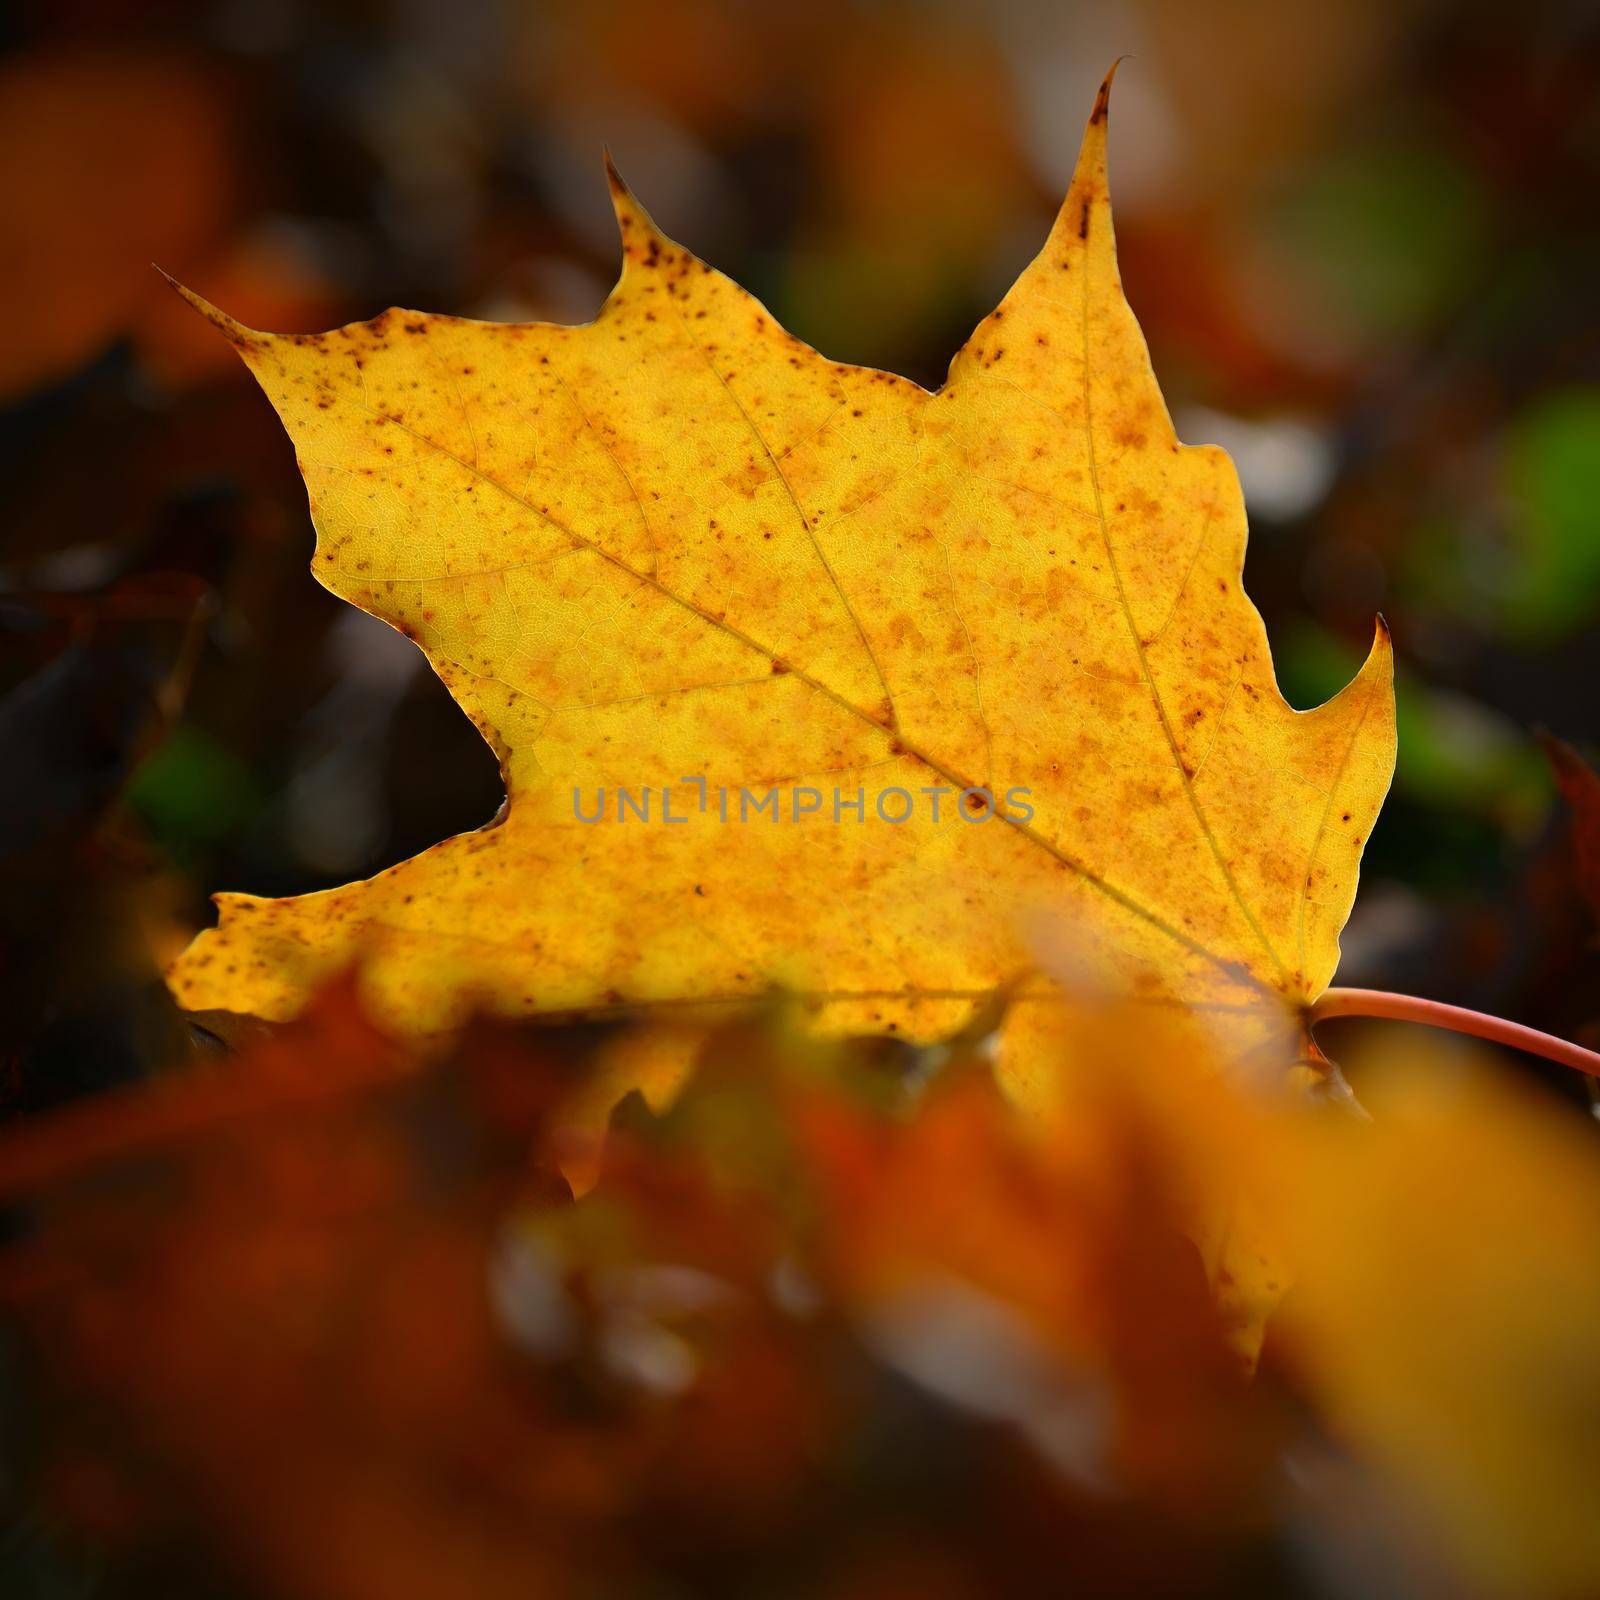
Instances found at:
x=1362 y=239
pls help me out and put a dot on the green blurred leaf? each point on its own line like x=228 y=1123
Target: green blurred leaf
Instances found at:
x=1552 y=481
x=1388 y=229
x=192 y=793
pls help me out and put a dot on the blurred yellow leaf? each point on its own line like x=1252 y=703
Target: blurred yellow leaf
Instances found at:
x=676 y=551
x=1097 y=1077
x=1446 y=1311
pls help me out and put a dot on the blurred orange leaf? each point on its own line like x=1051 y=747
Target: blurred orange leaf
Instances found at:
x=332 y=1290
x=118 y=159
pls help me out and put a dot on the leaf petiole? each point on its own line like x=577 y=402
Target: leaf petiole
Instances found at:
x=1436 y=1014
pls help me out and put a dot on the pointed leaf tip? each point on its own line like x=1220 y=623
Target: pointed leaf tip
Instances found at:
x=1089 y=193
x=632 y=218
x=245 y=340
x=1379 y=661
x=623 y=200
x=1102 y=101
x=613 y=177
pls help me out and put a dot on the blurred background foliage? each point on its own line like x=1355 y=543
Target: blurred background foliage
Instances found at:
x=1361 y=238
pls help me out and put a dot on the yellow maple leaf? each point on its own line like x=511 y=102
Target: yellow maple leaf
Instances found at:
x=677 y=550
